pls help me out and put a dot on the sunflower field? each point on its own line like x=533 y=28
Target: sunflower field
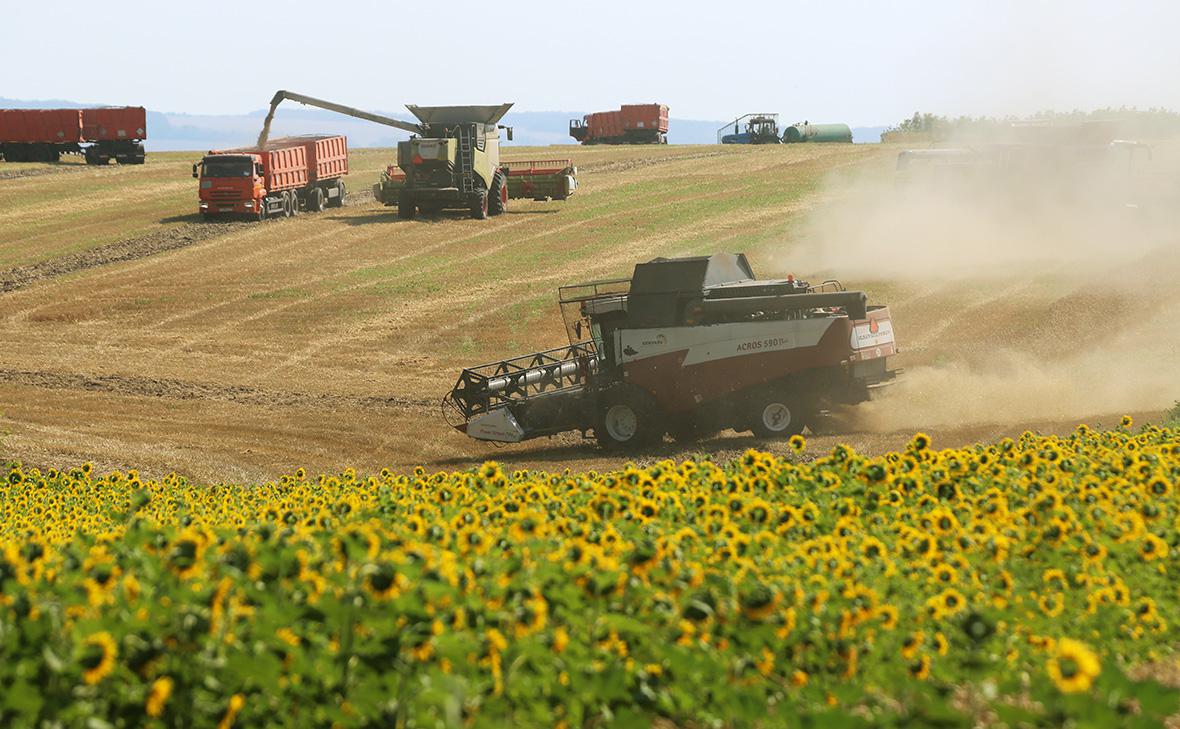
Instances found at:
x=1030 y=582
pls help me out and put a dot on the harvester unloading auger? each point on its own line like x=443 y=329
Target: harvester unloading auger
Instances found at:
x=686 y=346
x=452 y=161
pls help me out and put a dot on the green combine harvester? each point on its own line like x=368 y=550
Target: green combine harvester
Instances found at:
x=452 y=161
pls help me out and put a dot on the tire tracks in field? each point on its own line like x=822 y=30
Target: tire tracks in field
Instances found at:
x=130 y=249
x=421 y=251
x=174 y=389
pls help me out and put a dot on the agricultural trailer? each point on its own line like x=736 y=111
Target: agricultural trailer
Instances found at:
x=630 y=124
x=99 y=135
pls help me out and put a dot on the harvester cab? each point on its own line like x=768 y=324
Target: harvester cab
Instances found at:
x=685 y=346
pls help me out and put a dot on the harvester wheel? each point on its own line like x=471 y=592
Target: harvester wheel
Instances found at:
x=315 y=200
x=498 y=196
x=628 y=418
x=479 y=205
x=775 y=414
x=405 y=206
x=338 y=201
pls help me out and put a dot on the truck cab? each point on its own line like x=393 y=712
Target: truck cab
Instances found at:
x=230 y=184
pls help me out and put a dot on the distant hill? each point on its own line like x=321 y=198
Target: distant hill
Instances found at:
x=169 y=131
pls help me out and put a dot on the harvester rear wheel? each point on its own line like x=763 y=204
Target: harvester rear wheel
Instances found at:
x=629 y=417
x=405 y=206
x=315 y=200
x=479 y=205
x=498 y=196
x=775 y=414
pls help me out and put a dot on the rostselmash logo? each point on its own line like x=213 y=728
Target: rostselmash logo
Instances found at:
x=874 y=327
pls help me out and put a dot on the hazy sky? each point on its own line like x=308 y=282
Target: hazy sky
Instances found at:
x=858 y=62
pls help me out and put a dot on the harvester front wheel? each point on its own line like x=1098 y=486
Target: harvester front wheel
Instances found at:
x=628 y=418
x=405 y=206
x=479 y=205
x=776 y=415
x=498 y=196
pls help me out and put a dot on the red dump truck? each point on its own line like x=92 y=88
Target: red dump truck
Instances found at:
x=631 y=124
x=286 y=175
x=100 y=135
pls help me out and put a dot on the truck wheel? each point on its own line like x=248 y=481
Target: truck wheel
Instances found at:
x=294 y=203
x=286 y=204
x=628 y=418
x=775 y=415
x=498 y=196
x=338 y=201
x=479 y=205
x=315 y=200
x=405 y=206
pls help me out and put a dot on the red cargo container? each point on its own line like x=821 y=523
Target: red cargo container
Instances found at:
x=43 y=135
x=32 y=126
x=631 y=124
x=327 y=157
x=114 y=124
x=288 y=174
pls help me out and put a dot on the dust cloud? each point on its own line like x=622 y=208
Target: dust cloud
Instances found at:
x=1026 y=282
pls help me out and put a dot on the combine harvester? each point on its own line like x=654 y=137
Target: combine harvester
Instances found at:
x=536 y=179
x=452 y=161
x=686 y=346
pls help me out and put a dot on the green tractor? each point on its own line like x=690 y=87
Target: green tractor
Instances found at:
x=451 y=162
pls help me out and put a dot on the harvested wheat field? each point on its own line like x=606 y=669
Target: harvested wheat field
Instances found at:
x=139 y=335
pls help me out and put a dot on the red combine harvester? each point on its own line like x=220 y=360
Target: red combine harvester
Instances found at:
x=686 y=346
x=288 y=174
x=44 y=135
x=631 y=124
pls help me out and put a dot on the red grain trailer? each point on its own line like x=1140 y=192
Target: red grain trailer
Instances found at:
x=631 y=124
x=44 y=135
x=289 y=173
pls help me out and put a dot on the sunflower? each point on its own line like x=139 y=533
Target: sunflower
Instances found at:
x=1073 y=666
x=98 y=657
x=920 y=669
x=797 y=443
x=158 y=696
x=1152 y=548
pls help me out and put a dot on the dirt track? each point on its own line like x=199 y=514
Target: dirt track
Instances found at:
x=245 y=350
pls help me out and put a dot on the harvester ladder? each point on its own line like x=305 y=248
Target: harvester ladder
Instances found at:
x=466 y=158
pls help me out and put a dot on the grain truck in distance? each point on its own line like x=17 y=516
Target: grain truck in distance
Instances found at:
x=451 y=162
x=283 y=177
x=99 y=135
x=686 y=346
x=631 y=124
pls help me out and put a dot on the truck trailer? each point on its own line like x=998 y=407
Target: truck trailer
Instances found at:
x=286 y=175
x=686 y=346
x=99 y=135
x=631 y=124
